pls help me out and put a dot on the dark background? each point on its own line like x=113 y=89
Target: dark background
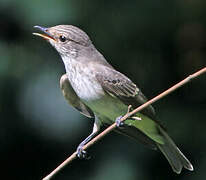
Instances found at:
x=155 y=43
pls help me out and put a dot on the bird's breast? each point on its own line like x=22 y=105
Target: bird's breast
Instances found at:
x=84 y=82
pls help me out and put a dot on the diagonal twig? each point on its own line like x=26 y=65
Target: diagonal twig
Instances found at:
x=127 y=115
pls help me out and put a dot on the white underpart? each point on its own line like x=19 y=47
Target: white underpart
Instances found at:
x=83 y=80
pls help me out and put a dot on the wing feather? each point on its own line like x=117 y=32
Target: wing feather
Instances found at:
x=117 y=84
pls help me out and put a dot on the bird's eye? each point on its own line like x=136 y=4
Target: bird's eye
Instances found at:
x=62 y=38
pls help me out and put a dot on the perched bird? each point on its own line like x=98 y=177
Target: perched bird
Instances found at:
x=97 y=90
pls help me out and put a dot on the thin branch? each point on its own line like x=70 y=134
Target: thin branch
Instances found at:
x=127 y=115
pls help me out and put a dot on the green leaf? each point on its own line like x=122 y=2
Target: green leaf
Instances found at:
x=147 y=126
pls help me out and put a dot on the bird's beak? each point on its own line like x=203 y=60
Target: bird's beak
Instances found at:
x=46 y=34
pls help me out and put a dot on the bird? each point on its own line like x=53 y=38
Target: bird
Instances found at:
x=97 y=90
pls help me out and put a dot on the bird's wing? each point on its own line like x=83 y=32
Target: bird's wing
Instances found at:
x=117 y=84
x=72 y=97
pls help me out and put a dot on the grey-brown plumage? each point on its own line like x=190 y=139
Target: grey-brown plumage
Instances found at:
x=96 y=89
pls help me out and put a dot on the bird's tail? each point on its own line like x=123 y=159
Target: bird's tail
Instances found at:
x=175 y=157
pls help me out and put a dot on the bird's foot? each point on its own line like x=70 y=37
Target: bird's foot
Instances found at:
x=81 y=153
x=133 y=117
x=118 y=121
x=129 y=108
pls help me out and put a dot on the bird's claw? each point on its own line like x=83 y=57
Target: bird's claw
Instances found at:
x=82 y=154
x=118 y=121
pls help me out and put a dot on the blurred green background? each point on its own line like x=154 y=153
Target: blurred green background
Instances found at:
x=155 y=43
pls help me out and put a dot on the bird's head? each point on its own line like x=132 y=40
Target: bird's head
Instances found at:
x=68 y=40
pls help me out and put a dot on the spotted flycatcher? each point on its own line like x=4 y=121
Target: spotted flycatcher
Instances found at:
x=97 y=90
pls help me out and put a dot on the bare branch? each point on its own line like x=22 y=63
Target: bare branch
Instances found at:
x=127 y=115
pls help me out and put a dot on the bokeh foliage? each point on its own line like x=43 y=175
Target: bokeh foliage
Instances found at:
x=156 y=43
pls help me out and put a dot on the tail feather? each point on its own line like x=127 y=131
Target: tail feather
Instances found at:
x=175 y=157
